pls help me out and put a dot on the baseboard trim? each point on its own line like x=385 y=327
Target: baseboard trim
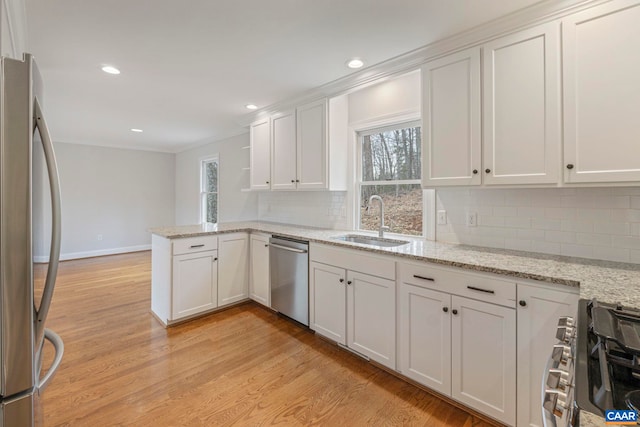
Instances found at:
x=91 y=254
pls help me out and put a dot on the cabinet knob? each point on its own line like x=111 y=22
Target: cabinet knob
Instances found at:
x=522 y=303
x=293 y=180
x=487 y=170
x=215 y=259
x=266 y=246
x=454 y=311
x=266 y=182
x=445 y=309
x=341 y=280
x=475 y=171
x=297 y=180
x=569 y=166
x=348 y=282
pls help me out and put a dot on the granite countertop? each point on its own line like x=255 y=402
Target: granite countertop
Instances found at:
x=607 y=281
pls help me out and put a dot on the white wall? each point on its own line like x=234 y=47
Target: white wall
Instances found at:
x=113 y=192
x=233 y=204
x=599 y=223
x=13 y=28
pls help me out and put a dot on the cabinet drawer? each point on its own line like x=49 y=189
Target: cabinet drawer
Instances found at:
x=194 y=244
x=473 y=285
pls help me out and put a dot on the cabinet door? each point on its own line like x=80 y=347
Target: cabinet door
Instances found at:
x=232 y=275
x=601 y=65
x=260 y=290
x=328 y=305
x=425 y=337
x=260 y=167
x=451 y=120
x=194 y=288
x=283 y=162
x=522 y=107
x=538 y=314
x=483 y=357
x=312 y=145
x=371 y=317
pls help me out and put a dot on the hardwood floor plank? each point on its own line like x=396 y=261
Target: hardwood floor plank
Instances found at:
x=245 y=366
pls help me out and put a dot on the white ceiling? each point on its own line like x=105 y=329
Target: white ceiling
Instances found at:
x=189 y=67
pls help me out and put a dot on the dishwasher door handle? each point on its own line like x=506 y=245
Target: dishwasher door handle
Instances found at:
x=286 y=248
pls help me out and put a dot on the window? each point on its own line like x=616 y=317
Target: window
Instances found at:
x=209 y=190
x=390 y=166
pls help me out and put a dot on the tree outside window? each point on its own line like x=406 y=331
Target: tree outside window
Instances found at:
x=390 y=166
x=209 y=190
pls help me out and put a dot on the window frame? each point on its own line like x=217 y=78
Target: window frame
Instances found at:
x=428 y=196
x=203 y=193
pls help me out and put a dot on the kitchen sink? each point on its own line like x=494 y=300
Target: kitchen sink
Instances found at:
x=370 y=240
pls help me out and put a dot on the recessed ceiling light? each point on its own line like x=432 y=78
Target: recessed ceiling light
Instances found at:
x=111 y=70
x=251 y=106
x=355 y=63
x=136 y=130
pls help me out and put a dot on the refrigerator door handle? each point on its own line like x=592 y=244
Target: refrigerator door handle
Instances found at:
x=54 y=252
x=58 y=345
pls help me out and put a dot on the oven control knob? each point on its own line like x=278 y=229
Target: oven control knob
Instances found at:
x=558 y=379
x=565 y=334
x=566 y=321
x=555 y=402
x=561 y=353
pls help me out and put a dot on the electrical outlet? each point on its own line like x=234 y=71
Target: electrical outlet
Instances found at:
x=442 y=217
x=99 y=236
x=472 y=219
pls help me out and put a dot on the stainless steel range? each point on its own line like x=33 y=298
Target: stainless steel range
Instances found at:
x=595 y=367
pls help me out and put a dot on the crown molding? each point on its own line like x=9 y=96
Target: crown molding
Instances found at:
x=533 y=15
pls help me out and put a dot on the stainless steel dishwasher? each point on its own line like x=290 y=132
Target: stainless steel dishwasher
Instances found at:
x=289 y=266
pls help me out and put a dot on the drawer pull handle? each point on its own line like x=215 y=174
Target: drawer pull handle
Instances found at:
x=197 y=246
x=487 y=291
x=424 y=278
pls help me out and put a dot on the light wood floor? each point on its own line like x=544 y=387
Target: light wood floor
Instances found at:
x=242 y=366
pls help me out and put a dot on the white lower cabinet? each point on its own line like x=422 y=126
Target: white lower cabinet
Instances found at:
x=351 y=307
x=260 y=290
x=425 y=337
x=538 y=311
x=463 y=345
x=233 y=251
x=483 y=357
x=194 y=283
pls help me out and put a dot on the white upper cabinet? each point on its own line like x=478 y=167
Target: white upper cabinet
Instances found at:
x=451 y=120
x=283 y=161
x=601 y=69
x=521 y=107
x=312 y=146
x=260 y=139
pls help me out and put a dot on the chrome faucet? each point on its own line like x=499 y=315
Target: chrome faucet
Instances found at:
x=382 y=227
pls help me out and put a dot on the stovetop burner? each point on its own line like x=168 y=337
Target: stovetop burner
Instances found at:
x=632 y=399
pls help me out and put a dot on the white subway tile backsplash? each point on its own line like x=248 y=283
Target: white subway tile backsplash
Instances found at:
x=620 y=228
x=594 y=214
x=582 y=251
x=546 y=224
x=517 y=222
x=575 y=225
x=316 y=209
x=611 y=254
x=560 y=236
x=629 y=242
x=593 y=239
x=600 y=223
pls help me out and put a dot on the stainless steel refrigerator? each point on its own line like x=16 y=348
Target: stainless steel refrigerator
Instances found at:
x=22 y=332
